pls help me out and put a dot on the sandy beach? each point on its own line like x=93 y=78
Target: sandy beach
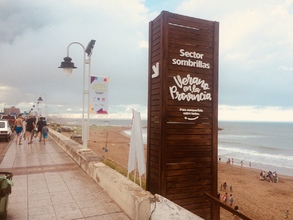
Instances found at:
x=256 y=198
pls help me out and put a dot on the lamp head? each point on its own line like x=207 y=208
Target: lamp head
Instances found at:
x=40 y=99
x=90 y=47
x=67 y=65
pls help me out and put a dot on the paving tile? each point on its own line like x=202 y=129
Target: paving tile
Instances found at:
x=112 y=207
x=94 y=211
x=80 y=193
x=41 y=209
x=61 y=197
x=53 y=177
x=100 y=217
x=67 y=211
x=18 y=212
x=88 y=202
x=57 y=187
x=49 y=185
x=37 y=190
x=120 y=216
x=50 y=216
x=13 y=199
x=17 y=215
x=39 y=202
x=102 y=196
x=19 y=190
x=38 y=196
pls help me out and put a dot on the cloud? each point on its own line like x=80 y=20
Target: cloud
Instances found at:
x=286 y=68
x=36 y=44
x=255 y=113
x=18 y=17
x=255 y=53
x=255 y=40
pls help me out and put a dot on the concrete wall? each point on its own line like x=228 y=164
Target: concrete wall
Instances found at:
x=137 y=203
x=166 y=209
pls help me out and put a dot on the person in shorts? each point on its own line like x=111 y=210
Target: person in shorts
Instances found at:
x=18 y=128
x=45 y=132
x=30 y=128
x=40 y=124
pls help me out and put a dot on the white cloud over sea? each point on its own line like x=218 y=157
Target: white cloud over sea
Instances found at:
x=255 y=60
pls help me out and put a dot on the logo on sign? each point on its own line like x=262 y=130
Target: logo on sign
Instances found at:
x=190 y=89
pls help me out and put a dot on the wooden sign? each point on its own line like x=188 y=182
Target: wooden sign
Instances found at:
x=183 y=111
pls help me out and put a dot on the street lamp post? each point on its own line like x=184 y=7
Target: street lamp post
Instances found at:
x=39 y=108
x=67 y=66
x=46 y=107
x=31 y=110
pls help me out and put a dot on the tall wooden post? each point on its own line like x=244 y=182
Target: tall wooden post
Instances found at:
x=183 y=111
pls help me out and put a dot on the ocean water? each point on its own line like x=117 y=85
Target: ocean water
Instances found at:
x=266 y=146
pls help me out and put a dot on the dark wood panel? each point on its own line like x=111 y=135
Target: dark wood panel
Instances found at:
x=155 y=49
x=188 y=159
x=183 y=166
x=193 y=147
x=190 y=42
x=189 y=131
x=190 y=22
x=182 y=70
x=187 y=137
x=192 y=154
x=176 y=46
x=183 y=144
x=191 y=177
x=183 y=150
x=188 y=103
x=193 y=125
x=178 y=191
x=195 y=35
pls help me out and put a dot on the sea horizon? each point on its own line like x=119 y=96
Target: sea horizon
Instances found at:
x=265 y=146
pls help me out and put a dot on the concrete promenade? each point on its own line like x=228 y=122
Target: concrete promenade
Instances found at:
x=48 y=184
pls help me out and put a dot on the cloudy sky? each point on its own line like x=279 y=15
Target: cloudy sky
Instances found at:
x=255 y=53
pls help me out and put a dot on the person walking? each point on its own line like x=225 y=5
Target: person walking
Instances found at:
x=24 y=127
x=18 y=129
x=231 y=200
x=40 y=124
x=30 y=127
x=224 y=198
x=45 y=133
x=225 y=186
x=236 y=208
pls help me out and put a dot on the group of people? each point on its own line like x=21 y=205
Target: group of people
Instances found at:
x=225 y=198
x=231 y=161
x=30 y=127
x=270 y=176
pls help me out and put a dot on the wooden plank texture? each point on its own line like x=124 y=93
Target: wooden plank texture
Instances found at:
x=183 y=112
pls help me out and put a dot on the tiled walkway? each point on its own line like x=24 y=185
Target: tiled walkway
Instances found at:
x=49 y=185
